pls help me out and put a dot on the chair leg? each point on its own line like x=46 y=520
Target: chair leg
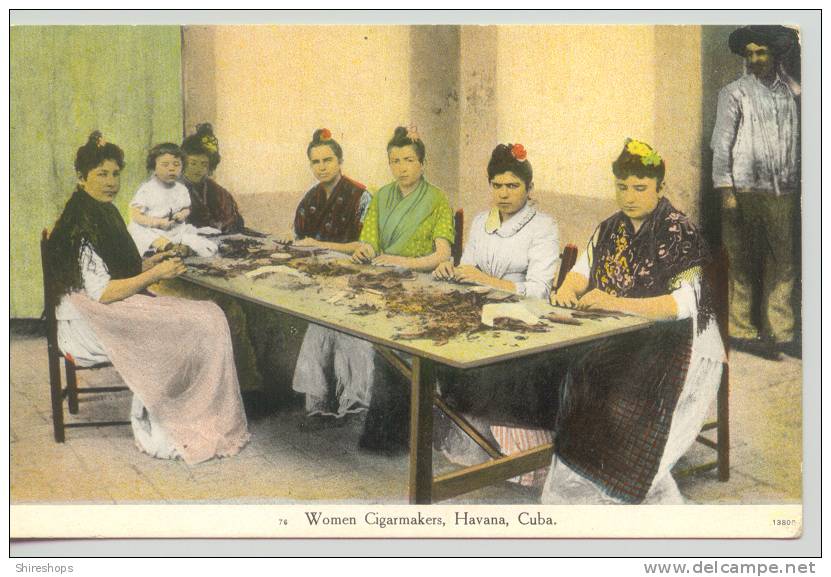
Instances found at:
x=723 y=430
x=71 y=386
x=57 y=397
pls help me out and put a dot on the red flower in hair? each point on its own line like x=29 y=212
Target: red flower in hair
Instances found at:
x=519 y=152
x=325 y=134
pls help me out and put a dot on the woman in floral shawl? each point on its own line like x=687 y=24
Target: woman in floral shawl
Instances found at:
x=630 y=408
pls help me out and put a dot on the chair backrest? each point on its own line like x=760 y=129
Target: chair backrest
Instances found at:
x=567 y=260
x=715 y=274
x=49 y=301
x=458 y=240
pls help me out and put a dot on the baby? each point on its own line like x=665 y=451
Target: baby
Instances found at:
x=162 y=204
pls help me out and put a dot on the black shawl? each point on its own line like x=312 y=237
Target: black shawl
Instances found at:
x=99 y=224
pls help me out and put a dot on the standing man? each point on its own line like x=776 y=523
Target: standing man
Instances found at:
x=756 y=170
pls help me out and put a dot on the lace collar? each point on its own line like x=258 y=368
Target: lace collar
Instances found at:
x=494 y=224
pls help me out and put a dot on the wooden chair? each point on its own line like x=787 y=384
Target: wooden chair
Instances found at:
x=459 y=239
x=716 y=276
x=71 y=392
x=567 y=259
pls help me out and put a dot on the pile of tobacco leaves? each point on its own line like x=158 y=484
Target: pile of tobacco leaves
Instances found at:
x=237 y=248
x=389 y=280
x=316 y=267
x=228 y=269
x=438 y=316
x=442 y=316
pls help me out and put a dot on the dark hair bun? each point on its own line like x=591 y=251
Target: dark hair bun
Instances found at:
x=94 y=138
x=404 y=136
x=203 y=141
x=502 y=153
x=323 y=137
x=95 y=151
x=510 y=158
x=639 y=159
x=204 y=129
x=400 y=133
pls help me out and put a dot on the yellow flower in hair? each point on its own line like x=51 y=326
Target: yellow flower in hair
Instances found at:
x=210 y=144
x=637 y=148
x=646 y=152
x=651 y=158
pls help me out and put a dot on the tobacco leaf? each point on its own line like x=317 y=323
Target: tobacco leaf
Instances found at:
x=363 y=309
x=596 y=314
x=518 y=326
x=561 y=319
x=314 y=267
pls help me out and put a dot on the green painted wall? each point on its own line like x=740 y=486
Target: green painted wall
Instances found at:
x=67 y=81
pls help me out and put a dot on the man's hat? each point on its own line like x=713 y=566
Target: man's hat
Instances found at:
x=779 y=39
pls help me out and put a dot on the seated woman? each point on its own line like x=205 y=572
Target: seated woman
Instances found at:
x=210 y=204
x=330 y=216
x=409 y=224
x=175 y=355
x=630 y=408
x=512 y=247
x=331 y=213
x=213 y=206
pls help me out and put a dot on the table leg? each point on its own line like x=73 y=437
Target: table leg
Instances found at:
x=421 y=431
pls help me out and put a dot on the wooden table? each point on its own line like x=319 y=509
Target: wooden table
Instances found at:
x=316 y=300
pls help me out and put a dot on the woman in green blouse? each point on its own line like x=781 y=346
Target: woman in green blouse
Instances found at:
x=409 y=222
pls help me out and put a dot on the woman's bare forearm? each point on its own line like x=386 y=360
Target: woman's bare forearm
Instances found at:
x=120 y=289
x=576 y=283
x=662 y=308
x=431 y=261
x=346 y=247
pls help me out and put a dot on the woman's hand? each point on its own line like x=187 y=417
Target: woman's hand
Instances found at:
x=286 y=237
x=156 y=258
x=181 y=250
x=444 y=271
x=470 y=275
x=597 y=299
x=170 y=268
x=161 y=244
x=564 y=297
x=390 y=260
x=182 y=215
x=363 y=254
x=308 y=241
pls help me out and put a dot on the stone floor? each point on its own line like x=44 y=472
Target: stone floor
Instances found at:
x=284 y=464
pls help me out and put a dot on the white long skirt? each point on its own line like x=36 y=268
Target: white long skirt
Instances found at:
x=334 y=363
